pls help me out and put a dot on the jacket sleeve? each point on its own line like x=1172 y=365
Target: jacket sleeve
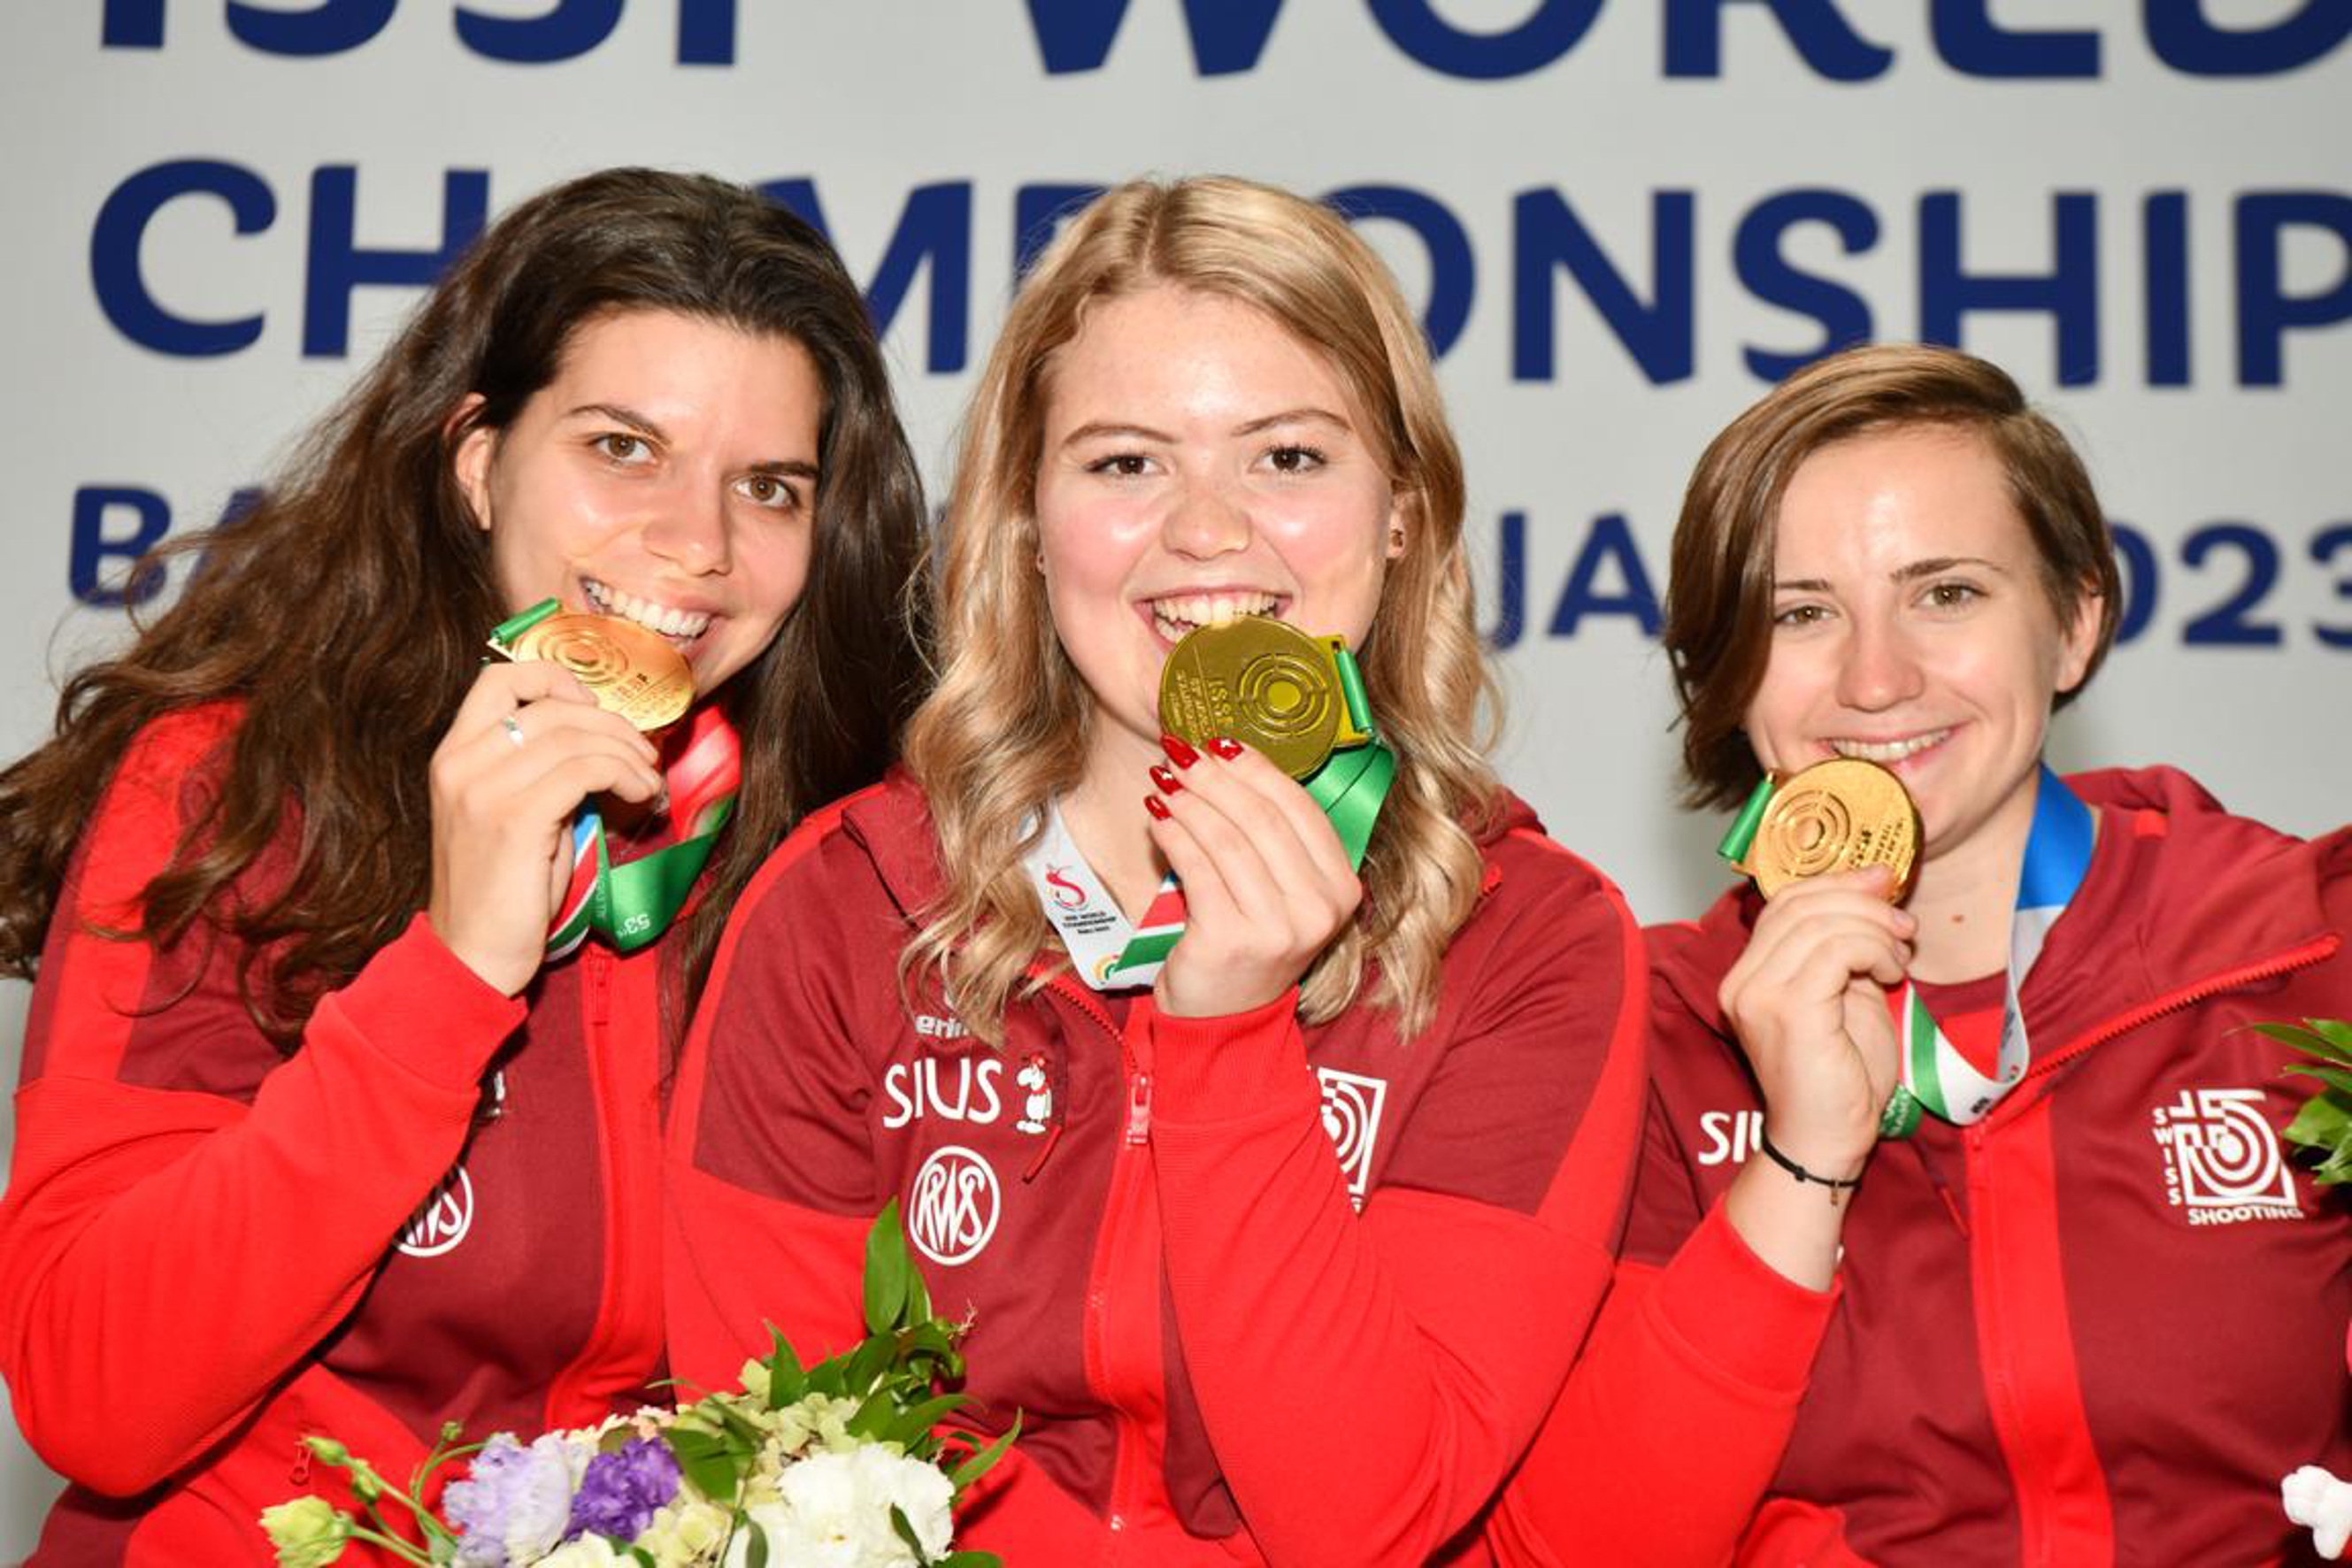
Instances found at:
x=1680 y=1404
x=1368 y=1380
x=188 y=1213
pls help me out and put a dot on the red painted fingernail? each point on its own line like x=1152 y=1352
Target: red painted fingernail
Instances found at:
x=1169 y=782
x=1156 y=806
x=1183 y=756
x=1226 y=747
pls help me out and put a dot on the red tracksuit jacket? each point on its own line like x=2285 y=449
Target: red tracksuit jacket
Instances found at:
x=1215 y=1357
x=209 y=1249
x=2097 y=1326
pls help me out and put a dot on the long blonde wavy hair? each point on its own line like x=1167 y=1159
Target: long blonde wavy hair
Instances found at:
x=1006 y=730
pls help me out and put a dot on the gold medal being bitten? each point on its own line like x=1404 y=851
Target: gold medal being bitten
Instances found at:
x=629 y=669
x=1262 y=682
x=1839 y=816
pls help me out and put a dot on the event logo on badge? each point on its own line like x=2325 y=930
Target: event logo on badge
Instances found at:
x=952 y=1210
x=442 y=1221
x=1351 y=1115
x=2223 y=1164
x=1066 y=893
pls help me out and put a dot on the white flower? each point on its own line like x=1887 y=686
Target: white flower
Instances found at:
x=834 y=1512
x=2317 y=1500
x=588 y=1551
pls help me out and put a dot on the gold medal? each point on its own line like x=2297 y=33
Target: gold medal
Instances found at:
x=628 y=670
x=1838 y=815
x=1265 y=683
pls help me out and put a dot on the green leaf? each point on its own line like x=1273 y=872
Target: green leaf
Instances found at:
x=828 y=1377
x=888 y=1268
x=2334 y=1078
x=749 y=1435
x=787 y=1382
x=906 y=1532
x=867 y=1362
x=873 y=1416
x=2322 y=1123
x=756 y=1554
x=2328 y=1039
x=645 y=1559
x=969 y=1559
x=708 y=1461
x=916 y=1421
x=979 y=1464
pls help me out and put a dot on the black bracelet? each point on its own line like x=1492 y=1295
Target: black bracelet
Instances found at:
x=1835 y=1183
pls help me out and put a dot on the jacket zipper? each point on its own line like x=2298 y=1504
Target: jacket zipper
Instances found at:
x=1131 y=1481
x=596 y=969
x=2269 y=968
x=2002 y=1391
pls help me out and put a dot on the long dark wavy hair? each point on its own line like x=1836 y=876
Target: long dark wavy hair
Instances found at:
x=346 y=613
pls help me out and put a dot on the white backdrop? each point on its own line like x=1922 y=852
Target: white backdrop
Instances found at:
x=1622 y=218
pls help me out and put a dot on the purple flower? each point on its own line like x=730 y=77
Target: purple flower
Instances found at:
x=512 y=1506
x=620 y=1490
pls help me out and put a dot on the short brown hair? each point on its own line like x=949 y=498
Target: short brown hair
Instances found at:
x=1718 y=610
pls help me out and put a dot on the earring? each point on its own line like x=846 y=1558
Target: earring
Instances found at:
x=1396 y=537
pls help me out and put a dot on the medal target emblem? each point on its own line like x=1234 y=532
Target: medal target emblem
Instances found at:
x=629 y=670
x=1838 y=815
x=587 y=651
x=1810 y=829
x=1280 y=694
x=1262 y=682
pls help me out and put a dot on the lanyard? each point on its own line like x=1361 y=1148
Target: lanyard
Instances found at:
x=1935 y=1077
x=1073 y=899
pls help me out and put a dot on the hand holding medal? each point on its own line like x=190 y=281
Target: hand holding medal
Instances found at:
x=527 y=745
x=520 y=868
x=1261 y=870
x=1833 y=848
x=635 y=675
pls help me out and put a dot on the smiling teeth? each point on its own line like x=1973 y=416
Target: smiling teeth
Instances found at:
x=1888 y=751
x=683 y=625
x=1179 y=615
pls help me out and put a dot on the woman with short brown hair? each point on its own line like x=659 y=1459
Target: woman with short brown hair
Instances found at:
x=1962 y=1233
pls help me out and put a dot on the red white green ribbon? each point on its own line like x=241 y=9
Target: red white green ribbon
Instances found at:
x=1935 y=1077
x=630 y=904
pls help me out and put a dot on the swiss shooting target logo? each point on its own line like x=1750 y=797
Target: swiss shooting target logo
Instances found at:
x=1351 y=1115
x=2222 y=1164
x=954 y=1206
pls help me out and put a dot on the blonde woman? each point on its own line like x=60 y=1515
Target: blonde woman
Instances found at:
x=1256 y=1250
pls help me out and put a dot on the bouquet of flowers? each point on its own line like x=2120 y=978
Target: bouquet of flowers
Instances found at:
x=839 y=1464
x=2325 y=1122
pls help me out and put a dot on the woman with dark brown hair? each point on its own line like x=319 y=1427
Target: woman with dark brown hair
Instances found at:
x=1962 y=1233
x=337 y=1116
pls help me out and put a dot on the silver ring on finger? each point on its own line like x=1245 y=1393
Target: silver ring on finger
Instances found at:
x=512 y=726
